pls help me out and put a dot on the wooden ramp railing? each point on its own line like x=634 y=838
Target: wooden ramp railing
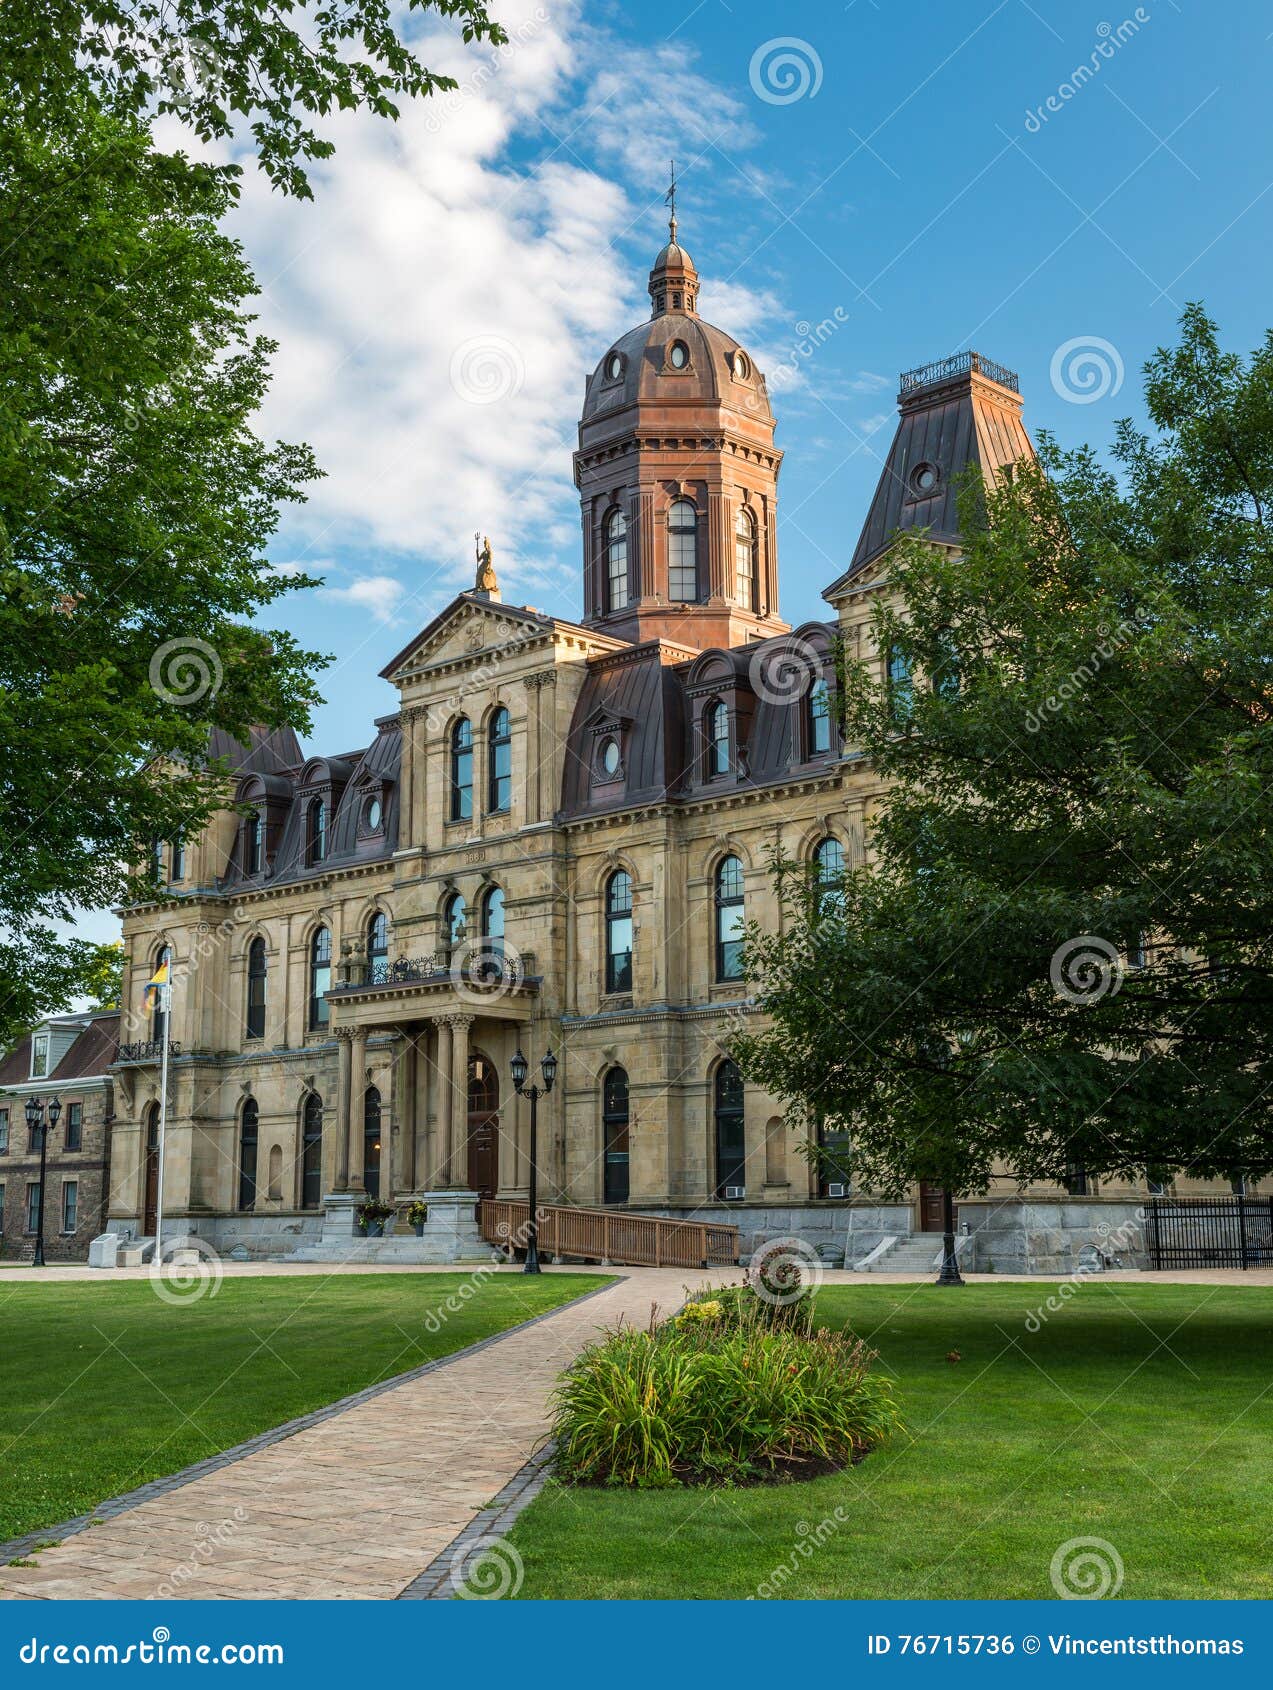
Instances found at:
x=600 y=1235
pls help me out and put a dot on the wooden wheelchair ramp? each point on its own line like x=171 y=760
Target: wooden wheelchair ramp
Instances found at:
x=600 y=1235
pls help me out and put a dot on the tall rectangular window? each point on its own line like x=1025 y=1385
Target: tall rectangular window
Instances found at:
x=33 y=1206
x=4 y=1132
x=74 y=1125
x=39 y=1056
x=70 y=1204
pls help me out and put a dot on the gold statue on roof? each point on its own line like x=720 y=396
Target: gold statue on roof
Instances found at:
x=486 y=579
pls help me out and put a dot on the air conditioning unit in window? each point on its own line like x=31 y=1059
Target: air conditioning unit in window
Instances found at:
x=734 y=1193
x=837 y=1191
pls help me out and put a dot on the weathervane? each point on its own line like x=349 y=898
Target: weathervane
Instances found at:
x=669 y=199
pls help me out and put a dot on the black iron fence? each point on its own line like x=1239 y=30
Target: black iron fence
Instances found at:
x=1194 y=1232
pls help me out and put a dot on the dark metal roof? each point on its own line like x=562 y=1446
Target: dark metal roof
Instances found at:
x=91 y=1054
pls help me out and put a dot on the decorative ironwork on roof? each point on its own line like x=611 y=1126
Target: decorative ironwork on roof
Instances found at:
x=962 y=364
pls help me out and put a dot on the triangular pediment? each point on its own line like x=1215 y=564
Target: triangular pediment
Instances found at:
x=467 y=631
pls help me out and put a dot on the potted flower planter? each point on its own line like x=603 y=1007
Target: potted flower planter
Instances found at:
x=374 y=1229
x=371 y=1217
x=417 y=1214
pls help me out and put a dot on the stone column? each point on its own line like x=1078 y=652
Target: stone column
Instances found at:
x=457 y=1170
x=407 y=1104
x=344 y=1043
x=426 y=1149
x=439 y=1174
x=354 y=1145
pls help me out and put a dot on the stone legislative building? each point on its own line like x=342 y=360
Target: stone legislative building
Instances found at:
x=551 y=840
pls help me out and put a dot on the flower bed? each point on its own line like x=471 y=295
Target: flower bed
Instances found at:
x=718 y=1395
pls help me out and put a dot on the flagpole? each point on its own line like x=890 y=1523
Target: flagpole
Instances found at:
x=165 y=1010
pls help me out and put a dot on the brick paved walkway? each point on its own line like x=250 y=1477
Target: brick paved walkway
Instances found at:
x=359 y=1505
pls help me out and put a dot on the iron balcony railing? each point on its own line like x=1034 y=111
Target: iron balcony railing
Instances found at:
x=962 y=364
x=146 y=1050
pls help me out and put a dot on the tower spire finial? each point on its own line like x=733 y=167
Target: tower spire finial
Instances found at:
x=669 y=199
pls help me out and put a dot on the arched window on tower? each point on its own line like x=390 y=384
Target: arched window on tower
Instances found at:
x=493 y=924
x=682 y=552
x=454 y=924
x=716 y=723
x=619 y=932
x=499 y=763
x=320 y=977
x=828 y=862
x=461 y=806
x=249 y=1127
x=257 y=973
x=316 y=832
x=378 y=949
x=746 y=572
x=817 y=720
x=731 y=1141
x=615 y=1114
x=729 y=919
x=158 y=1030
x=616 y=549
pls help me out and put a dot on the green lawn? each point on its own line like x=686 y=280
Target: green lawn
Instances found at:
x=105 y=1386
x=1140 y=1415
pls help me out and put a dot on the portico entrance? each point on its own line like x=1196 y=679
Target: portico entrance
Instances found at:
x=483 y=1126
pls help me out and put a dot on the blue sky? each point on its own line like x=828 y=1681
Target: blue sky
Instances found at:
x=872 y=166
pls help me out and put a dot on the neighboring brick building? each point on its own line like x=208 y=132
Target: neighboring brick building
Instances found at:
x=67 y=1057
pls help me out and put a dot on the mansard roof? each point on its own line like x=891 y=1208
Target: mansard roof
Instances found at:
x=87 y=1057
x=652 y=697
x=958 y=413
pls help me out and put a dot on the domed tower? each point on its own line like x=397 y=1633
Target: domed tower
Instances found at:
x=678 y=477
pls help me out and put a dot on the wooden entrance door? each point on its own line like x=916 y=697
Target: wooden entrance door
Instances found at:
x=932 y=1216
x=150 y=1202
x=483 y=1126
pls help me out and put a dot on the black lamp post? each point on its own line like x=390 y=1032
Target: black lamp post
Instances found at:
x=35 y=1119
x=520 y=1068
x=950 y=1274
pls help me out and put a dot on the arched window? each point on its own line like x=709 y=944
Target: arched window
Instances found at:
x=157 y=1029
x=371 y=1141
x=619 y=932
x=176 y=859
x=829 y=863
x=716 y=726
x=253 y=842
x=682 y=552
x=320 y=977
x=746 y=581
x=899 y=683
x=817 y=720
x=946 y=665
x=461 y=808
x=249 y=1124
x=731 y=1142
x=729 y=919
x=616 y=548
x=493 y=921
x=312 y=1151
x=378 y=949
x=316 y=834
x=614 y=1121
x=258 y=968
x=454 y=923
x=499 y=763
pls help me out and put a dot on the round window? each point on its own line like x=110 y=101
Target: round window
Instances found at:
x=614 y=366
x=610 y=756
x=925 y=478
x=678 y=355
x=373 y=816
x=742 y=366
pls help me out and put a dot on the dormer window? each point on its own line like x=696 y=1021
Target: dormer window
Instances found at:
x=254 y=842
x=39 y=1056
x=316 y=832
x=716 y=724
x=817 y=720
x=925 y=480
x=678 y=354
x=609 y=758
x=614 y=366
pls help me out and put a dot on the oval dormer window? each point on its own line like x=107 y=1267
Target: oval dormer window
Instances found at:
x=924 y=479
x=610 y=757
x=742 y=366
x=614 y=366
x=374 y=815
x=678 y=355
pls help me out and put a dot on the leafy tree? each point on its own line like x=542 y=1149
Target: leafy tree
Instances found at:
x=221 y=64
x=1061 y=954
x=135 y=507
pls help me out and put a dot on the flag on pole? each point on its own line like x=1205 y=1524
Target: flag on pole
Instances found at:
x=156 y=984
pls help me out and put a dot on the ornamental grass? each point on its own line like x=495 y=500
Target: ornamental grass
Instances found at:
x=718 y=1396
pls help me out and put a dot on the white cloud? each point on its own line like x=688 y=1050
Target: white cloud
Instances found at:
x=440 y=302
x=382 y=595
